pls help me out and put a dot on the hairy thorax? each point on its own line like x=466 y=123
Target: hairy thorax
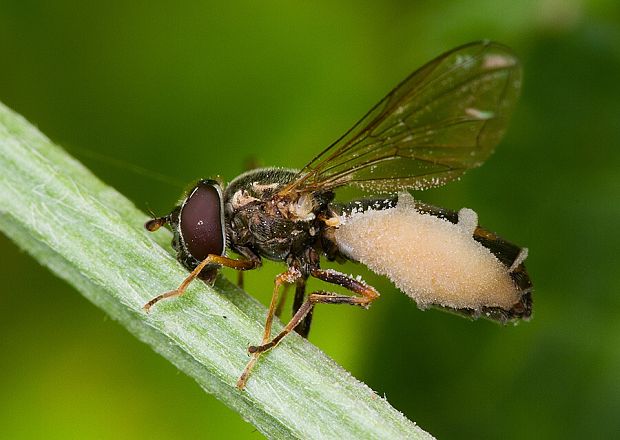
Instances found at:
x=270 y=224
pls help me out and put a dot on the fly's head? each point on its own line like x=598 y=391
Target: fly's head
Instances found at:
x=197 y=224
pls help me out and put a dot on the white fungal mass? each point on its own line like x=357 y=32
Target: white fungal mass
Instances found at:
x=432 y=260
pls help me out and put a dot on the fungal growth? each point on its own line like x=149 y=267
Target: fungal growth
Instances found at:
x=432 y=260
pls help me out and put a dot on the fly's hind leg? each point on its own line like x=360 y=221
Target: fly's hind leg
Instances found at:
x=212 y=263
x=303 y=328
x=367 y=294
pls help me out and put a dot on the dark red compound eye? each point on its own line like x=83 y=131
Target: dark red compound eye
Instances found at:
x=200 y=221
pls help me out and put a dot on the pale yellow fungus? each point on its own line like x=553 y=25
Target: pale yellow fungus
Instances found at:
x=432 y=260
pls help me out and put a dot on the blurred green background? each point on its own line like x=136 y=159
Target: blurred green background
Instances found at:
x=197 y=89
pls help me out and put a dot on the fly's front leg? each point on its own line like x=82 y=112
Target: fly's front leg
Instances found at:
x=212 y=260
x=288 y=277
x=367 y=294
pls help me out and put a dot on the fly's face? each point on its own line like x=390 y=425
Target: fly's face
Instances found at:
x=442 y=120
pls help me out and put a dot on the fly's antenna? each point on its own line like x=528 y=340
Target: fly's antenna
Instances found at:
x=150 y=211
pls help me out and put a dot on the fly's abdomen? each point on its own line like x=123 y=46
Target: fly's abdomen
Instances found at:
x=434 y=261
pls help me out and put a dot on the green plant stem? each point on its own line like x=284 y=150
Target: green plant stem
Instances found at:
x=91 y=236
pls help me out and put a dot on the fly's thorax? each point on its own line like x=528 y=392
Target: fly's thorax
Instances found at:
x=271 y=231
x=260 y=184
x=271 y=224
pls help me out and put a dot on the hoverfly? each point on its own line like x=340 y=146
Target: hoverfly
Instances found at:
x=442 y=120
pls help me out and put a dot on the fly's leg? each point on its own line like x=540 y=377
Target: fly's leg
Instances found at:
x=303 y=328
x=367 y=295
x=288 y=277
x=240 y=279
x=214 y=261
x=282 y=300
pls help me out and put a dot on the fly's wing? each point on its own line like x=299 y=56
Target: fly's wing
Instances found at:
x=443 y=119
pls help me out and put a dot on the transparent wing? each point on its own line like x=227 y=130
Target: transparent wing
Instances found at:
x=442 y=120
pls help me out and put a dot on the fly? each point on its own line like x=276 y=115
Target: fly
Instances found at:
x=442 y=120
